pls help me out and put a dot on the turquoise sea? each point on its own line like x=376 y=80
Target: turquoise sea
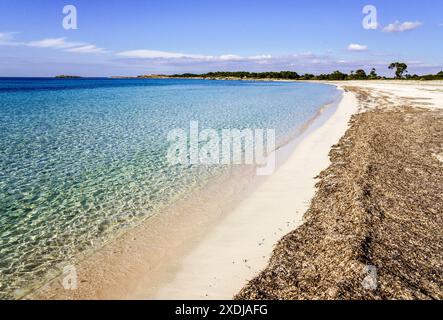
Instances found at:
x=83 y=159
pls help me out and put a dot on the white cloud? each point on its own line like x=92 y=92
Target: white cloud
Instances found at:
x=357 y=47
x=228 y=57
x=155 y=54
x=261 y=57
x=86 y=49
x=54 y=43
x=68 y=46
x=6 y=39
x=398 y=26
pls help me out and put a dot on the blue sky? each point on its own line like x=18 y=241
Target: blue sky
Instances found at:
x=134 y=37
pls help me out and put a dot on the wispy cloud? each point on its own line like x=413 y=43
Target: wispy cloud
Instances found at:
x=62 y=43
x=357 y=47
x=155 y=54
x=54 y=43
x=398 y=26
x=87 y=49
x=7 y=38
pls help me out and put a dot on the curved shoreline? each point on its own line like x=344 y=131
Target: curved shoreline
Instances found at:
x=153 y=259
x=240 y=246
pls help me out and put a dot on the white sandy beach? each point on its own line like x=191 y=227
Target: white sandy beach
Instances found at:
x=425 y=93
x=220 y=260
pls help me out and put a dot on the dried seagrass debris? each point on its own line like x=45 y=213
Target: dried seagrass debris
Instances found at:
x=374 y=229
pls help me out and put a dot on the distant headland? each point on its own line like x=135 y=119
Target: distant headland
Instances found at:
x=62 y=76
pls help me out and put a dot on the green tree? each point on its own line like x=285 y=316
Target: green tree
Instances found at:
x=373 y=74
x=308 y=76
x=336 y=75
x=360 y=74
x=400 y=69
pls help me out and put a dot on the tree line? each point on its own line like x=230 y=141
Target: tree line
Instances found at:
x=400 y=70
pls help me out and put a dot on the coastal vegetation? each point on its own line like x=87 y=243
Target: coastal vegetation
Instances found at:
x=287 y=75
x=62 y=76
x=400 y=69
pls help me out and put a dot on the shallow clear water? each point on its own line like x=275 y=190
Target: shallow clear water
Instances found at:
x=83 y=159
